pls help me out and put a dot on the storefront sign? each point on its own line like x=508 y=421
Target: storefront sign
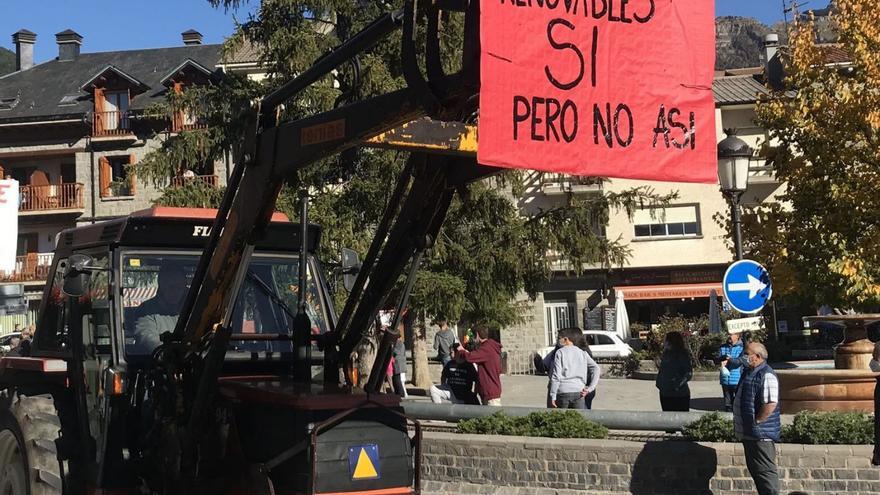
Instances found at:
x=613 y=88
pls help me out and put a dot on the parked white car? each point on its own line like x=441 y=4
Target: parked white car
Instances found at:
x=602 y=345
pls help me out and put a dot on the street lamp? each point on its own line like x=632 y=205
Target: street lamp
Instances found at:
x=733 y=174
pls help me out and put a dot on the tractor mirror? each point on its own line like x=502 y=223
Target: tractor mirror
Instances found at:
x=351 y=265
x=76 y=272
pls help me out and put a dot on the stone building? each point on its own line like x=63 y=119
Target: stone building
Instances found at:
x=70 y=126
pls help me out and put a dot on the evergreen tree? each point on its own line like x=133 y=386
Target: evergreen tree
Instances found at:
x=487 y=252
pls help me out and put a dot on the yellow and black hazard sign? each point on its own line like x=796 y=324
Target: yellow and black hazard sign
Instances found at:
x=363 y=462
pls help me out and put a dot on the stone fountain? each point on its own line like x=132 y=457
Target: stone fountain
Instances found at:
x=849 y=386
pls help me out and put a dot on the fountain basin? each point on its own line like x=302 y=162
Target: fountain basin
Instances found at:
x=826 y=390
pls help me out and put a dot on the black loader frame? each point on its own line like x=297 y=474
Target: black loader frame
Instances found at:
x=185 y=380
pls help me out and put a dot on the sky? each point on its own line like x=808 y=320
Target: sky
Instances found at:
x=109 y=25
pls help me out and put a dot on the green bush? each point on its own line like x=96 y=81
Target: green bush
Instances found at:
x=553 y=424
x=625 y=368
x=846 y=428
x=710 y=428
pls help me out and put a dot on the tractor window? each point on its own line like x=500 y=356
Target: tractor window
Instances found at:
x=52 y=329
x=155 y=285
x=95 y=309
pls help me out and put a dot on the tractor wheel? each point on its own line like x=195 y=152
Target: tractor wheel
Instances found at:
x=29 y=462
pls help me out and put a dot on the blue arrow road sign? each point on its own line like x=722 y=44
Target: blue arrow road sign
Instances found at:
x=747 y=286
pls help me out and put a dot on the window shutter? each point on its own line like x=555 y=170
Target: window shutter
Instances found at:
x=105 y=175
x=99 y=110
x=132 y=178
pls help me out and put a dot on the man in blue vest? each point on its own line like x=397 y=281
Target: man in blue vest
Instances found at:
x=728 y=356
x=756 y=419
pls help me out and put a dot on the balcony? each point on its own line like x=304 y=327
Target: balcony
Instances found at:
x=186 y=121
x=33 y=267
x=52 y=198
x=209 y=180
x=112 y=124
x=762 y=173
x=554 y=184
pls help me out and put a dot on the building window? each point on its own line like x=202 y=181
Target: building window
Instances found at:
x=116 y=177
x=672 y=221
x=558 y=315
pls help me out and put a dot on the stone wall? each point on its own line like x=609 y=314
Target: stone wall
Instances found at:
x=474 y=464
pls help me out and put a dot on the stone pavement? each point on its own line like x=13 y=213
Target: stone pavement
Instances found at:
x=616 y=394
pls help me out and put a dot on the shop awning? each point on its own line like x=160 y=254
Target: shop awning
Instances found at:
x=672 y=291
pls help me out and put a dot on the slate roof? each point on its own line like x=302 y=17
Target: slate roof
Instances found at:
x=734 y=90
x=40 y=89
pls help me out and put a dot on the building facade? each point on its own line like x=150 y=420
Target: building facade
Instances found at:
x=70 y=128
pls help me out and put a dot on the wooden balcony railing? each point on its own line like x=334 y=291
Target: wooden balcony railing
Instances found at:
x=114 y=123
x=186 y=121
x=210 y=180
x=29 y=268
x=51 y=197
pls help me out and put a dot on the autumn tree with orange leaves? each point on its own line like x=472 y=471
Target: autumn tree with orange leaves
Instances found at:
x=825 y=134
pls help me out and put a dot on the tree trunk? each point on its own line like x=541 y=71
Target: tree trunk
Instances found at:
x=366 y=356
x=421 y=376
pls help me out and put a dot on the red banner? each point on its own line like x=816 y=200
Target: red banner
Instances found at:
x=611 y=88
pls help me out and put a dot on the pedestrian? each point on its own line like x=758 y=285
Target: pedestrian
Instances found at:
x=17 y=328
x=443 y=341
x=487 y=357
x=570 y=375
x=456 y=381
x=756 y=419
x=595 y=371
x=675 y=372
x=875 y=367
x=730 y=374
x=399 y=376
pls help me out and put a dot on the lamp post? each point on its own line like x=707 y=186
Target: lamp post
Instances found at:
x=733 y=175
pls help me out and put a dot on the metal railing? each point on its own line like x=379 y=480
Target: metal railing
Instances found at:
x=29 y=268
x=210 y=180
x=563 y=183
x=115 y=123
x=51 y=197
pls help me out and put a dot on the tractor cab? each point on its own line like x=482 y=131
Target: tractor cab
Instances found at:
x=109 y=308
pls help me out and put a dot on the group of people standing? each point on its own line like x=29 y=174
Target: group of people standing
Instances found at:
x=574 y=375
x=751 y=392
x=469 y=376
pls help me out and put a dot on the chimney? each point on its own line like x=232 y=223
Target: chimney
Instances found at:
x=191 y=37
x=773 y=70
x=69 y=42
x=24 y=49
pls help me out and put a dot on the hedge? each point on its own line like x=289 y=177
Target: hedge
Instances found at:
x=553 y=424
x=818 y=428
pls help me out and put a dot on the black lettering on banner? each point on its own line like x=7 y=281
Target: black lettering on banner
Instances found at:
x=648 y=16
x=673 y=113
x=535 y=120
x=564 y=46
x=610 y=126
x=569 y=108
x=604 y=123
x=550 y=116
x=559 y=120
x=623 y=18
x=520 y=116
x=623 y=108
x=661 y=128
x=593 y=50
x=597 y=14
x=666 y=121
